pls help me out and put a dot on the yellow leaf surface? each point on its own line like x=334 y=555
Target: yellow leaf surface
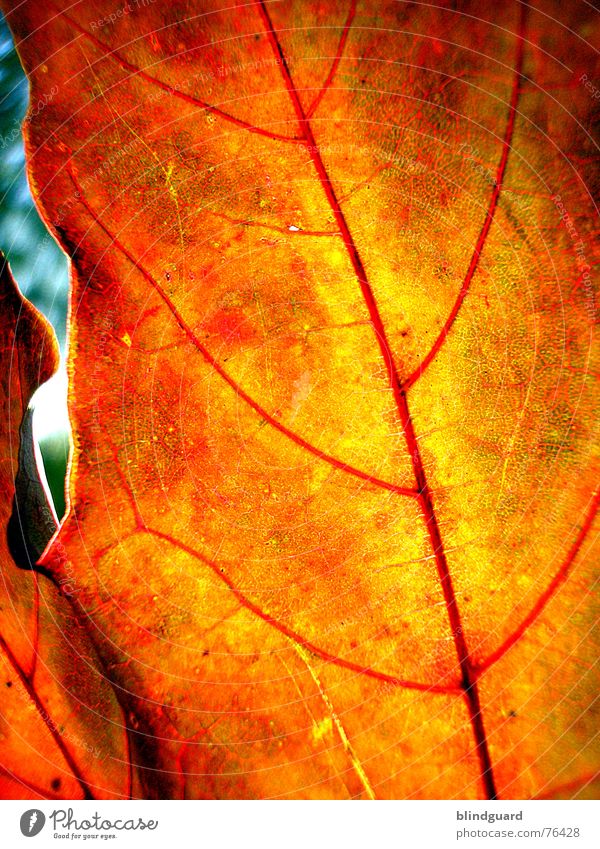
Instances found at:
x=333 y=387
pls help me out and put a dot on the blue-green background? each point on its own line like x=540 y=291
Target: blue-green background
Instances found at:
x=38 y=264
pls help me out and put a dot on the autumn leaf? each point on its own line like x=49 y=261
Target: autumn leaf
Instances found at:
x=333 y=385
x=61 y=729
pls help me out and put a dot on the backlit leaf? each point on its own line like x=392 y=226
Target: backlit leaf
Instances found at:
x=60 y=725
x=333 y=387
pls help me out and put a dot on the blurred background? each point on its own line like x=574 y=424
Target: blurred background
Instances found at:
x=39 y=266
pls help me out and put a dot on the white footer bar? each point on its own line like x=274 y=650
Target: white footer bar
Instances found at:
x=302 y=825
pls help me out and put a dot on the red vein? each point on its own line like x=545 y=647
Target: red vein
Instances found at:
x=489 y=217
x=579 y=784
x=187 y=98
x=25 y=681
x=294 y=635
x=333 y=461
x=469 y=683
x=333 y=70
x=468 y=678
x=550 y=591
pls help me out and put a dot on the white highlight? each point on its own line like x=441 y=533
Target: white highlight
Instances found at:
x=49 y=402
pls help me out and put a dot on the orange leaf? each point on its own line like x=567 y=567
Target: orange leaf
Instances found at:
x=332 y=387
x=60 y=725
